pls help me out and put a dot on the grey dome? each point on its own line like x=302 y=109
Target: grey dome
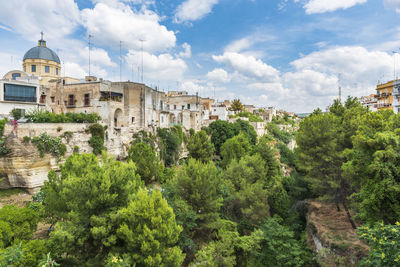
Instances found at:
x=40 y=52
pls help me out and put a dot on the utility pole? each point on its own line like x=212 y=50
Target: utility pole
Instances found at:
x=90 y=36
x=142 y=40
x=340 y=89
x=394 y=64
x=120 y=60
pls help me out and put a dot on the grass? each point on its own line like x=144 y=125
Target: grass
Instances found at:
x=11 y=191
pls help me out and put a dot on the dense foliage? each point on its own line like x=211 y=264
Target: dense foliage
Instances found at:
x=200 y=147
x=240 y=205
x=149 y=167
x=42 y=116
x=97 y=138
x=385 y=244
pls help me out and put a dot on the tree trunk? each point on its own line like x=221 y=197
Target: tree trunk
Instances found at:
x=349 y=216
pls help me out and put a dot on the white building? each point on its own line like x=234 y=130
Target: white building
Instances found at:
x=18 y=90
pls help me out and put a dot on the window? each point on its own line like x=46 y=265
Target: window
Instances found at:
x=47 y=69
x=56 y=71
x=42 y=99
x=87 y=100
x=183 y=107
x=71 y=100
x=33 y=68
x=174 y=106
x=133 y=119
x=23 y=93
x=53 y=99
x=188 y=106
x=15 y=75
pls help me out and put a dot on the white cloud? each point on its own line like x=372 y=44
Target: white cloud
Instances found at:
x=57 y=18
x=187 y=52
x=395 y=4
x=163 y=67
x=111 y=24
x=355 y=64
x=97 y=55
x=248 y=66
x=219 y=75
x=192 y=10
x=311 y=82
x=9 y=62
x=322 y=6
x=239 y=45
x=74 y=70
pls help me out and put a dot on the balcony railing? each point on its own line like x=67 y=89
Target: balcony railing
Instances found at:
x=20 y=98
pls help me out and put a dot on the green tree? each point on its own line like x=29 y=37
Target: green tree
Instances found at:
x=234 y=149
x=17 y=224
x=148 y=165
x=236 y=105
x=83 y=199
x=200 y=147
x=197 y=184
x=148 y=232
x=278 y=246
x=319 y=155
x=220 y=132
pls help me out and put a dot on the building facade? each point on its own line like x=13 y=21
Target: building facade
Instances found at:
x=384 y=95
x=19 y=90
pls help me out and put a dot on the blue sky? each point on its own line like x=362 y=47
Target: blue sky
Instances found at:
x=291 y=54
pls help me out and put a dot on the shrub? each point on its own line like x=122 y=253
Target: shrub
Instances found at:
x=26 y=139
x=97 y=143
x=384 y=241
x=97 y=139
x=16 y=114
x=48 y=144
x=76 y=149
x=41 y=116
x=2 y=125
x=3 y=149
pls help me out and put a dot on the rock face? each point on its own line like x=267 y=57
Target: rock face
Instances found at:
x=24 y=167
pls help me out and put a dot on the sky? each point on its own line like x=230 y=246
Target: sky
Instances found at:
x=290 y=54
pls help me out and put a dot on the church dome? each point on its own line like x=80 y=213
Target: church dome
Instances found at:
x=40 y=52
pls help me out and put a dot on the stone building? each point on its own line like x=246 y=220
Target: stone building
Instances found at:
x=189 y=111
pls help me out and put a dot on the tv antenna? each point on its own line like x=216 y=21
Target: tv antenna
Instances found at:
x=340 y=88
x=90 y=36
x=120 y=61
x=142 y=40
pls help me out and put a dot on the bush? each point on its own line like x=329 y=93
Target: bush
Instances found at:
x=16 y=114
x=2 y=125
x=97 y=143
x=283 y=136
x=41 y=116
x=76 y=149
x=3 y=149
x=48 y=144
x=26 y=139
x=384 y=241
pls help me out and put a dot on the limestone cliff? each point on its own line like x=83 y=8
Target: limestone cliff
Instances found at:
x=23 y=167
